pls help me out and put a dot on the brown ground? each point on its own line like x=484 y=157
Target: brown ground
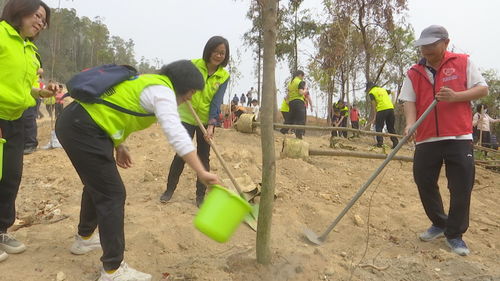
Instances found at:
x=376 y=240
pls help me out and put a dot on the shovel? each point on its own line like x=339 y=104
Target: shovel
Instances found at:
x=251 y=219
x=318 y=240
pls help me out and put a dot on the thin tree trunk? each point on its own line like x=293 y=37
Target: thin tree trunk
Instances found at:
x=269 y=13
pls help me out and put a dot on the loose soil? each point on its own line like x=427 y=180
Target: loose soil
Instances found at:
x=376 y=240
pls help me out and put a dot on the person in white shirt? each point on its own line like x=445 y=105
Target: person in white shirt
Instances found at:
x=481 y=121
x=92 y=136
x=255 y=108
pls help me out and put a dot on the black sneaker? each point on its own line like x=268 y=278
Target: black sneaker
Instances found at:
x=29 y=150
x=432 y=233
x=166 y=196
x=458 y=246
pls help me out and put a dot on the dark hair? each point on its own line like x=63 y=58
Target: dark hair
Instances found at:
x=184 y=76
x=15 y=10
x=478 y=107
x=370 y=85
x=212 y=44
x=298 y=72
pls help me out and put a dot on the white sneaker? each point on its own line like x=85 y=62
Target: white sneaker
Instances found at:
x=82 y=246
x=124 y=273
x=3 y=255
x=11 y=245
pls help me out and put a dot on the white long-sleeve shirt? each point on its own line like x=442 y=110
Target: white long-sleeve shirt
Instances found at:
x=483 y=122
x=161 y=101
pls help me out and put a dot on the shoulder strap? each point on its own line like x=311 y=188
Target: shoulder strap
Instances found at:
x=122 y=109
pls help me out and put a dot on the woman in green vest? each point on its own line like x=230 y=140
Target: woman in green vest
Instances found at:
x=207 y=104
x=90 y=133
x=20 y=23
x=382 y=105
x=295 y=98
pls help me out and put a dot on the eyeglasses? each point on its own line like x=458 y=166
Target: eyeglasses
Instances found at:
x=41 y=19
x=222 y=54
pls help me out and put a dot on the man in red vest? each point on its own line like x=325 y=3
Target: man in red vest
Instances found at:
x=445 y=136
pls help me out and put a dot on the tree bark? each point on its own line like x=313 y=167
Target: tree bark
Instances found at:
x=267 y=129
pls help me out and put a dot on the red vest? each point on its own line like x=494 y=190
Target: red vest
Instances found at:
x=447 y=118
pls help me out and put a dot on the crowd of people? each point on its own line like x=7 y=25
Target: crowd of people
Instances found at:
x=92 y=135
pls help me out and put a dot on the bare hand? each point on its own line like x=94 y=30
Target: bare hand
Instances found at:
x=45 y=93
x=407 y=131
x=51 y=87
x=446 y=94
x=208 y=178
x=210 y=133
x=123 y=158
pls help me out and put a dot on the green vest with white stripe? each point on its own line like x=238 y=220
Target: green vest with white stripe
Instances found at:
x=119 y=125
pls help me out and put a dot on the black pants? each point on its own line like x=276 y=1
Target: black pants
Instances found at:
x=286 y=121
x=177 y=166
x=30 y=127
x=457 y=156
x=297 y=115
x=355 y=125
x=485 y=139
x=13 y=132
x=39 y=114
x=58 y=109
x=344 y=125
x=90 y=150
x=386 y=117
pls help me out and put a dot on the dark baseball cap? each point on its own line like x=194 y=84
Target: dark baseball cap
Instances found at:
x=431 y=35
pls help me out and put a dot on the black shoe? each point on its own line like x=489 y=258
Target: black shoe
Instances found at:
x=29 y=150
x=166 y=196
x=394 y=145
x=199 y=200
x=379 y=145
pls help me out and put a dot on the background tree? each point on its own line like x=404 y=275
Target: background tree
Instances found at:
x=254 y=40
x=73 y=43
x=493 y=99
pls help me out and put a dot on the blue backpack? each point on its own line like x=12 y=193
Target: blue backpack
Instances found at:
x=89 y=85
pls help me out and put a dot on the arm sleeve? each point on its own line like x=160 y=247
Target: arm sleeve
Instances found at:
x=371 y=96
x=162 y=102
x=474 y=77
x=214 y=112
x=407 y=92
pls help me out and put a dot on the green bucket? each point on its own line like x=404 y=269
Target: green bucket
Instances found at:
x=2 y=141
x=221 y=213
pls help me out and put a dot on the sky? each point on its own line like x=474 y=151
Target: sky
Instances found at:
x=178 y=29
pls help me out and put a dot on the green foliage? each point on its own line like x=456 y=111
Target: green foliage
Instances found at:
x=72 y=43
x=493 y=99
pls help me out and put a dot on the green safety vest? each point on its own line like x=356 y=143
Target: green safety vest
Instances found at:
x=18 y=68
x=285 y=107
x=119 y=125
x=293 y=90
x=344 y=109
x=201 y=99
x=381 y=98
